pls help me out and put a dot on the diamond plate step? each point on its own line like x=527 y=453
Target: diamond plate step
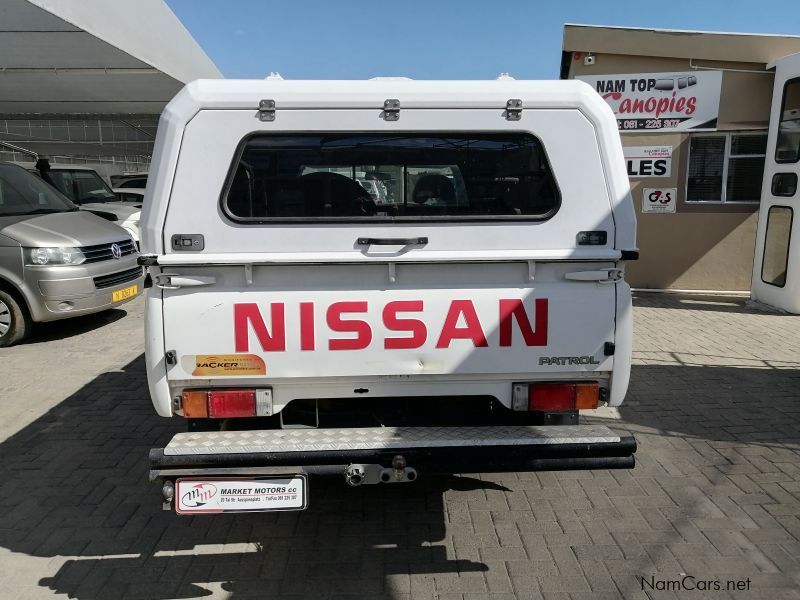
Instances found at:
x=377 y=438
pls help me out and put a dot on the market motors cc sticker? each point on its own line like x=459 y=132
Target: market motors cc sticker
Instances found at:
x=215 y=365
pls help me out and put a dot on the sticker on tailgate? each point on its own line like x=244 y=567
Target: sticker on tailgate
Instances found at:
x=257 y=494
x=213 y=365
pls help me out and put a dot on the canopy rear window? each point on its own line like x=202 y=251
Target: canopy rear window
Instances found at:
x=385 y=177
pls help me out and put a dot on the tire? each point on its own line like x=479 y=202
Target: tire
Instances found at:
x=15 y=324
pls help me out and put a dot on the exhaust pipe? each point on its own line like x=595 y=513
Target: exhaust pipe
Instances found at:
x=353 y=476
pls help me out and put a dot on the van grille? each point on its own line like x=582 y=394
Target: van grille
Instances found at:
x=106 y=281
x=102 y=252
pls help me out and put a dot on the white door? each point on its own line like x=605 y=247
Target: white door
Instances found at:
x=776 y=267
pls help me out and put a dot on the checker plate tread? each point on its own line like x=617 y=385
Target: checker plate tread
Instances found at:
x=377 y=438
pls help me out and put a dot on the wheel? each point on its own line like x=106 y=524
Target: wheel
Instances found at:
x=14 y=320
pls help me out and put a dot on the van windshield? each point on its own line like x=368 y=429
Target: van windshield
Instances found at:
x=24 y=194
x=81 y=185
x=406 y=176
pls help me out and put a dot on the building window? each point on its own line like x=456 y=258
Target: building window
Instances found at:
x=726 y=167
x=776 y=246
x=787 y=150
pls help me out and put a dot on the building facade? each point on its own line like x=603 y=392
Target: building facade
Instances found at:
x=693 y=109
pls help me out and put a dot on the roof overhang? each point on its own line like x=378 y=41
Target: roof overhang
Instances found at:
x=792 y=59
x=674 y=43
x=94 y=57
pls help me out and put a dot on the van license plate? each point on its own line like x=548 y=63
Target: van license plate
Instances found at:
x=233 y=494
x=124 y=293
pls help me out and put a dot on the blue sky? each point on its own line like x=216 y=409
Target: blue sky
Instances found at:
x=446 y=39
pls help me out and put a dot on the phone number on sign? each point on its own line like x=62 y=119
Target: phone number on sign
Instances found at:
x=630 y=124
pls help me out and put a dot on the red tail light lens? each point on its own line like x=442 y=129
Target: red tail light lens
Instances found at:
x=227 y=404
x=553 y=397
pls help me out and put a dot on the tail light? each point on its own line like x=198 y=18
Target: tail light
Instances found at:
x=551 y=397
x=226 y=404
x=555 y=397
x=195 y=404
x=231 y=404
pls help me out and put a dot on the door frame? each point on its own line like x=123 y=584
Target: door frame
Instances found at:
x=786 y=297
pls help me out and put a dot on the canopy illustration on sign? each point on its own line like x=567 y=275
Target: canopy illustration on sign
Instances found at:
x=658 y=101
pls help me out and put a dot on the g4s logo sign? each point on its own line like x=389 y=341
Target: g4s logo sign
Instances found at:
x=659 y=200
x=660 y=196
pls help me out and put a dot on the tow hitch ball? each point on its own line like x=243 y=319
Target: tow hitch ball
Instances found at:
x=168 y=493
x=400 y=472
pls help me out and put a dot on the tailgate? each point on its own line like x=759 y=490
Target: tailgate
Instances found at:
x=509 y=319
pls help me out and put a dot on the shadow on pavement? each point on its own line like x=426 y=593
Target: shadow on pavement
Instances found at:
x=716 y=403
x=74 y=484
x=701 y=302
x=66 y=328
x=720 y=442
x=73 y=488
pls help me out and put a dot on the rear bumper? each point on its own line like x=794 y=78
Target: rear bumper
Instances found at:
x=426 y=449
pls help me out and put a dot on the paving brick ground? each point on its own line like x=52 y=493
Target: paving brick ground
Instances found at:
x=715 y=495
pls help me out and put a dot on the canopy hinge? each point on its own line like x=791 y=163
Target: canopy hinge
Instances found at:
x=266 y=110
x=513 y=110
x=391 y=110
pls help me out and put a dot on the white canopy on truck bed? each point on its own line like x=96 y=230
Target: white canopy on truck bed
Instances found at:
x=294 y=97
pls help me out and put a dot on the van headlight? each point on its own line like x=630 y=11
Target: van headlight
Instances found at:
x=54 y=256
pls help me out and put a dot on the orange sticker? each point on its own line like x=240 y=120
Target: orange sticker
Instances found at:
x=229 y=364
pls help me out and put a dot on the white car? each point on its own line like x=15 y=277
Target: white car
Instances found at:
x=129 y=204
x=299 y=328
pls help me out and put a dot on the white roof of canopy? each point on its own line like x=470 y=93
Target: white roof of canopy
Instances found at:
x=94 y=57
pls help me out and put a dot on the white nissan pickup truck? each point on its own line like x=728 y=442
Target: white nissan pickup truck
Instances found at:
x=382 y=280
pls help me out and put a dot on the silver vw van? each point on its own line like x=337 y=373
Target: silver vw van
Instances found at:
x=55 y=260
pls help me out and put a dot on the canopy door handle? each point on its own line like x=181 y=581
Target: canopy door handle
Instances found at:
x=414 y=241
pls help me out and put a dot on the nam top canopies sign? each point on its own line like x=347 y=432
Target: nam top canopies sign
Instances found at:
x=659 y=101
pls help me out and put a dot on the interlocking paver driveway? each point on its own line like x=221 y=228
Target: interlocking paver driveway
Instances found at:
x=715 y=495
